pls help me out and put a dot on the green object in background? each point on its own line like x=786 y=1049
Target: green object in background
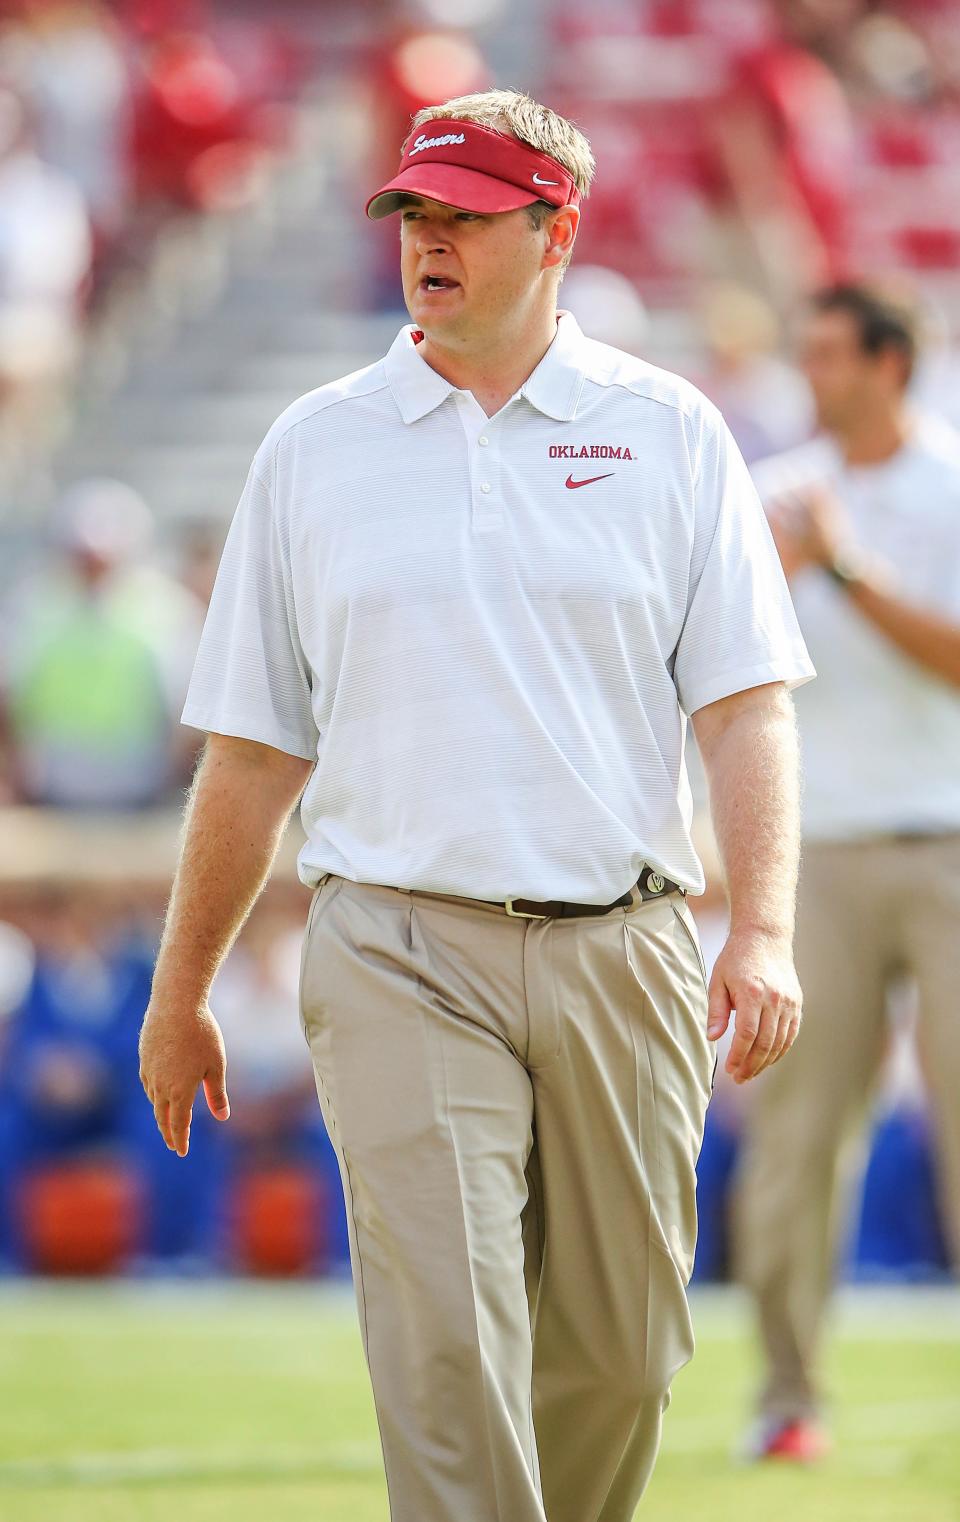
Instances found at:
x=210 y=1402
x=92 y=680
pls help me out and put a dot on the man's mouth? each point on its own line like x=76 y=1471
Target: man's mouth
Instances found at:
x=438 y=283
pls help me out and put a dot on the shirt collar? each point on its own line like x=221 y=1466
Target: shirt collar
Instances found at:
x=553 y=388
x=555 y=385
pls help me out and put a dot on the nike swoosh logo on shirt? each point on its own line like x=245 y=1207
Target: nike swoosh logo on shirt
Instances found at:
x=589 y=481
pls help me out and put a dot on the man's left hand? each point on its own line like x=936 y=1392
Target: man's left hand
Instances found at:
x=754 y=977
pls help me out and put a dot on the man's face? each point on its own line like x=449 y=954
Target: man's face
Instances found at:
x=846 y=382
x=484 y=268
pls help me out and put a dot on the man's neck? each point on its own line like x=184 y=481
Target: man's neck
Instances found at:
x=874 y=440
x=496 y=371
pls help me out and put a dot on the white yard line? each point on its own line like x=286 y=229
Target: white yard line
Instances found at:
x=891 y=1425
x=346 y=1460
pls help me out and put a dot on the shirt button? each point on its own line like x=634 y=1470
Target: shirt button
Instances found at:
x=483 y=441
x=485 y=486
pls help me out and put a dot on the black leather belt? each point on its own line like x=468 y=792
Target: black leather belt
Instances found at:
x=649 y=885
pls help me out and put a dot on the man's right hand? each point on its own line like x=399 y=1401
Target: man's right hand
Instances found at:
x=179 y=1050
x=239 y=803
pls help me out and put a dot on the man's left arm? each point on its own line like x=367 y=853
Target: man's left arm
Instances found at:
x=750 y=752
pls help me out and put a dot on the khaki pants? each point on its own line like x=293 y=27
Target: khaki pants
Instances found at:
x=867 y=911
x=517 y=1106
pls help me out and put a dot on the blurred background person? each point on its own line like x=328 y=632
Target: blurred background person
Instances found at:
x=607 y=305
x=785 y=148
x=96 y=656
x=45 y=259
x=70 y=61
x=84 y=1188
x=867 y=521
x=64 y=1061
x=765 y=403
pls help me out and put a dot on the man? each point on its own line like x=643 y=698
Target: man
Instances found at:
x=468 y=598
x=96 y=655
x=867 y=519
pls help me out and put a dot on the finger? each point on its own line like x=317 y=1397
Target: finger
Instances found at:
x=789 y=511
x=763 y=1042
x=755 y=1026
x=719 y=1008
x=777 y=511
x=161 y=1114
x=793 y=1030
x=215 y=1089
x=786 y=1034
x=783 y=1039
x=797 y=501
x=769 y=1035
x=780 y=1029
x=749 y=1007
x=767 y=1043
x=181 y=1112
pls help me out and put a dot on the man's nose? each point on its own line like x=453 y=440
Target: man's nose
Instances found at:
x=431 y=239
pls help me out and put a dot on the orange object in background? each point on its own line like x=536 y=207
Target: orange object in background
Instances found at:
x=277 y=1215
x=80 y=1218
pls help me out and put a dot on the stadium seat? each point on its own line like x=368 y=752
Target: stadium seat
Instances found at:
x=80 y=1218
x=277 y=1221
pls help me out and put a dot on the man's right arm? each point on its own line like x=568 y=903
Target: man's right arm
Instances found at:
x=240 y=801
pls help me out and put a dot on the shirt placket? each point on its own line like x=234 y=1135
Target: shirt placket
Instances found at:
x=483 y=452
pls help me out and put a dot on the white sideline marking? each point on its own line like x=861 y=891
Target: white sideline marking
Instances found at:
x=892 y=1424
x=348 y=1460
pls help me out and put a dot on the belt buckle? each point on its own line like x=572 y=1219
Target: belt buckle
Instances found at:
x=522 y=914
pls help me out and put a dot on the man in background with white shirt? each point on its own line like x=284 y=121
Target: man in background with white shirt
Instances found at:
x=867 y=521
x=469 y=597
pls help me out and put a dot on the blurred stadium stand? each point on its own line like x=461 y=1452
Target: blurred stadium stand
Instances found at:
x=205 y=165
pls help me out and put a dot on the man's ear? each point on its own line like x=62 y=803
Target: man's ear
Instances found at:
x=562 y=230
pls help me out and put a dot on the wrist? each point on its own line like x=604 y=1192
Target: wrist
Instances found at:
x=846 y=569
x=177 y=994
x=854 y=570
x=776 y=932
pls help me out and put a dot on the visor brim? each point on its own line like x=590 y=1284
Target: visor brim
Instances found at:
x=452 y=185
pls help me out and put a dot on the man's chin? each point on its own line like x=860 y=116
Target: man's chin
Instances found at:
x=433 y=324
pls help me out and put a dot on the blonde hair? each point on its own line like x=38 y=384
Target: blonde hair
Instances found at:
x=521 y=116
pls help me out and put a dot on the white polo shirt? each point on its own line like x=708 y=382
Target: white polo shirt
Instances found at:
x=881 y=735
x=487 y=632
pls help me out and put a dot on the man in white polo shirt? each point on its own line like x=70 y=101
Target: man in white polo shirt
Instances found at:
x=469 y=598
x=867 y=518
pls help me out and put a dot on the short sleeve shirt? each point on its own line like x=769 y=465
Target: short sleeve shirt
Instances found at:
x=487 y=632
x=880 y=733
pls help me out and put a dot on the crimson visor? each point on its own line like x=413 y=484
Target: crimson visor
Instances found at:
x=475 y=169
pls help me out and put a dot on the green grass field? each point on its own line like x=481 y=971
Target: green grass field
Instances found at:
x=125 y=1403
